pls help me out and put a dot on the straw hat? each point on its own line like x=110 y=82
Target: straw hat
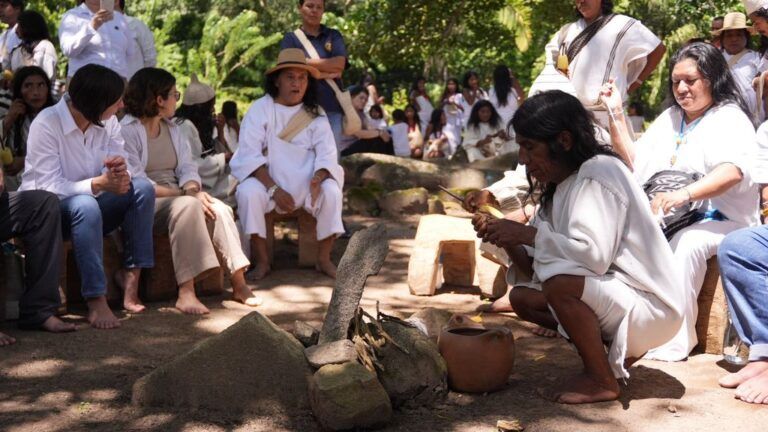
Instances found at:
x=293 y=58
x=734 y=21
x=753 y=6
x=197 y=92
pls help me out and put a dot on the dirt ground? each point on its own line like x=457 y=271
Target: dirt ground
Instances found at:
x=82 y=381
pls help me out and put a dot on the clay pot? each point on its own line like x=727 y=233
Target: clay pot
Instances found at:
x=479 y=359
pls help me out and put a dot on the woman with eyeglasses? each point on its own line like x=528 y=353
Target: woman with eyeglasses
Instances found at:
x=157 y=150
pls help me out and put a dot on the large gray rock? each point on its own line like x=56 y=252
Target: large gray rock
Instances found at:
x=389 y=176
x=355 y=165
x=419 y=378
x=252 y=367
x=364 y=257
x=406 y=201
x=465 y=178
x=348 y=396
x=505 y=162
x=341 y=351
x=363 y=200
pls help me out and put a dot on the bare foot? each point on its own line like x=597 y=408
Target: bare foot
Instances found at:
x=244 y=295
x=581 y=389
x=754 y=390
x=100 y=315
x=499 y=305
x=128 y=282
x=752 y=369
x=6 y=340
x=545 y=332
x=326 y=267
x=190 y=304
x=55 y=325
x=258 y=272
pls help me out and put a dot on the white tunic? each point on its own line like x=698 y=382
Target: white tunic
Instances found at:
x=43 y=56
x=744 y=71
x=291 y=164
x=399 y=133
x=8 y=41
x=599 y=226
x=213 y=169
x=507 y=111
x=497 y=145
x=724 y=135
x=109 y=46
x=425 y=110
x=144 y=52
x=597 y=61
x=61 y=158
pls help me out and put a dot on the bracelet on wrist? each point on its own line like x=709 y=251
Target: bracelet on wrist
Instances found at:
x=688 y=192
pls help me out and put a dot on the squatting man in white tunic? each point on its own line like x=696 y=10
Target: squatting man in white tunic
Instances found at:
x=288 y=174
x=597 y=265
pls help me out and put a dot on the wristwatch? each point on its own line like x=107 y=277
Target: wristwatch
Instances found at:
x=271 y=191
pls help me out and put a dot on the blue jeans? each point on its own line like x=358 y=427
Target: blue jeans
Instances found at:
x=743 y=259
x=336 y=119
x=87 y=219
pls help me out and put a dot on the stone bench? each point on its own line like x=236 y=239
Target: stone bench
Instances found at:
x=452 y=243
x=307 y=228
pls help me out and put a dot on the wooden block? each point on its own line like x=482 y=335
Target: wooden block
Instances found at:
x=307 y=227
x=712 y=319
x=458 y=259
x=159 y=283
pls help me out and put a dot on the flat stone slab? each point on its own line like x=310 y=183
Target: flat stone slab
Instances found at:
x=337 y=352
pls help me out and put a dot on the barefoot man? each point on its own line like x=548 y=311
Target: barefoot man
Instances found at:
x=599 y=265
x=34 y=217
x=287 y=160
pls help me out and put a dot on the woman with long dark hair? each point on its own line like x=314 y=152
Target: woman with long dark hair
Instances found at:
x=471 y=92
x=419 y=99
x=415 y=134
x=707 y=134
x=486 y=135
x=601 y=270
x=197 y=123
x=75 y=150
x=450 y=101
x=287 y=161
x=440 y=141
x=506 y=93
x=36 y=48
x=31 y=94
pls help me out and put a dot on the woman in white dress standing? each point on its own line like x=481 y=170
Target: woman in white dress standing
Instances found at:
x=420 y=99
x=506 y=93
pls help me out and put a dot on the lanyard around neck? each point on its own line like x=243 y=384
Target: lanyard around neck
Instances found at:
x=681 y=137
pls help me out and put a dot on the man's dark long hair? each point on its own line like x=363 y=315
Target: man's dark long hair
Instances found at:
x=309 y=100
x=547 y=115
x=712 y=67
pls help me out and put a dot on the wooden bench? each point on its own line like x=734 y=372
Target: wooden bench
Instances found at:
x=712 y=320
x=307 y=227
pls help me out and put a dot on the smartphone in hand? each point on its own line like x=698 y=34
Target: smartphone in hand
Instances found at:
x=108 y=5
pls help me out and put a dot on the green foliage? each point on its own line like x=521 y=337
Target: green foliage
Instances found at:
x=230 y=43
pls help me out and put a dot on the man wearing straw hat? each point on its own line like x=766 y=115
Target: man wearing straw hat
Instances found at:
x=742 y=61
x=287 y=160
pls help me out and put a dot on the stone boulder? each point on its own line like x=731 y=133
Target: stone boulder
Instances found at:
x=348 y=396
x=338 y=352
x=305 y=333
x=252 y=367
x=465 y=178
x=363 y=200
x=419 y=378
x=505 y=162
x=435 y=206
x=388 y=176
x=355 y=165
x=430 y=321
x=406 y=201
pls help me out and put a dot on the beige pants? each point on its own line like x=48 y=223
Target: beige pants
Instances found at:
x=193 y=240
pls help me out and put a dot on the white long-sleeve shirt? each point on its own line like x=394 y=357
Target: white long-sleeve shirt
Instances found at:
x=291 y=164
x=43 y=55
x=61 y=158
x=109 y=46
x=135 y=135
x=8 y=41
x=144 y=52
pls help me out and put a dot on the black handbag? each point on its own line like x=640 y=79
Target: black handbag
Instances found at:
x=670 y=181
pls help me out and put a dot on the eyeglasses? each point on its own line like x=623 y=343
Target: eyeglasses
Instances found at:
x=176 y=95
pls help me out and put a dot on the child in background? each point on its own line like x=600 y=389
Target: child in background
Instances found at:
x=399 y=133
x=375 y=119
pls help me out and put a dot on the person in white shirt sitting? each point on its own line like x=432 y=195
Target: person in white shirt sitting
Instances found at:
x=287 y=160
x=486 y=134
x=75 y=150
x=593 y=263
x=89 y=34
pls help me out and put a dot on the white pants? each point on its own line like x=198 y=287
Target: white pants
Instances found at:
x=253 y=203
x=692 y=246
